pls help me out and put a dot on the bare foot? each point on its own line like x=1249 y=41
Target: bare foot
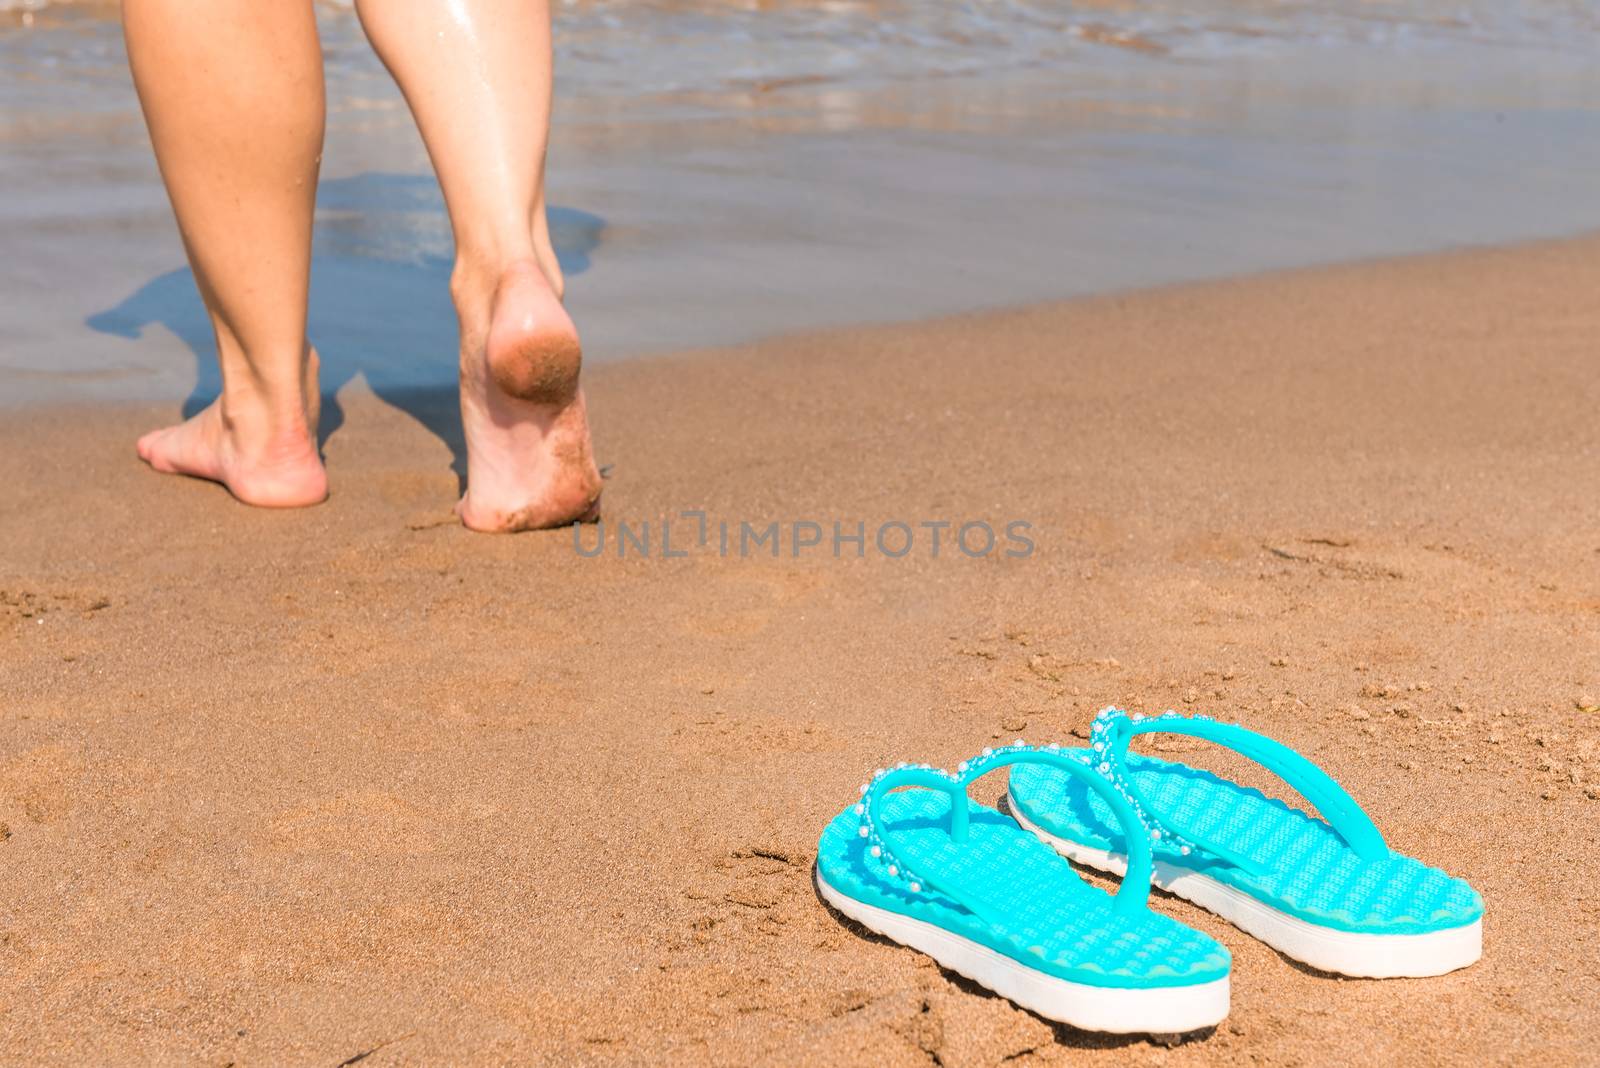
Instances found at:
x=529 y=462
x=272 y=467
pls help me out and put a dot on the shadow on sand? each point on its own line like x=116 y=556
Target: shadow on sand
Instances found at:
x=380 y=302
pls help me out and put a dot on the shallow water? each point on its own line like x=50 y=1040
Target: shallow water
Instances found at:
x=722 y=171
x=649 y=52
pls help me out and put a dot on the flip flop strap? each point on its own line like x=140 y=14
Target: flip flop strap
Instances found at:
x=1113 y=729
x=1130 y=897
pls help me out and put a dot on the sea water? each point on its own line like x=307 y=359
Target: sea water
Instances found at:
x=725 y=170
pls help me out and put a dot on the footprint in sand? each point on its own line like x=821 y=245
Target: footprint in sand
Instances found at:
x=44 y=784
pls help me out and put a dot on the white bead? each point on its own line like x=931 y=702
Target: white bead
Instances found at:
x=1020 y=742
x=877 y=852
x=861 y=810
x=865 y=788
x=893 y=871
x=988 y=751
x=916 y=888
x=863 y=832
x=961 y=766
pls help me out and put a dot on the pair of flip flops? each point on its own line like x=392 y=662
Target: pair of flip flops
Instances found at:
x=988 y=895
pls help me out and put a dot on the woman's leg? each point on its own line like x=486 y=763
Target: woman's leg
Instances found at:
x=232 y=93
x=477 y=76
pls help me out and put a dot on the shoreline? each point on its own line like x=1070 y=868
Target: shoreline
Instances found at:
x=432 y=402
x=297 y=786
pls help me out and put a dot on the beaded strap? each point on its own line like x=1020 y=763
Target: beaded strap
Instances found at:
x=1135 y=888
x=1108 y=742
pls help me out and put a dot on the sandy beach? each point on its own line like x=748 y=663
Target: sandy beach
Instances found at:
x=352 y=785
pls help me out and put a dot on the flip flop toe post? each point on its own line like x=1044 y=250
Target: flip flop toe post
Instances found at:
x=1327 y=892
x=916 y=861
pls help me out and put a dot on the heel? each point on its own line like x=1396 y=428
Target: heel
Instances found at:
x=533 y=349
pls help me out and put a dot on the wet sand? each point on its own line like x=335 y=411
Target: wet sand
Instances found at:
x=308 y=787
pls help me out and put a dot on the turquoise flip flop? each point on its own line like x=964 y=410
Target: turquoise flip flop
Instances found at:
x=1328 y=892
x=964 y=884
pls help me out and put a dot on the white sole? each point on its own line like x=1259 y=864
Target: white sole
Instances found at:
x=1154 y=1010
x=1366 y=956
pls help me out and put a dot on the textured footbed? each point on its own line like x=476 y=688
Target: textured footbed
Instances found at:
x=1053 y=921
x=1311 y=872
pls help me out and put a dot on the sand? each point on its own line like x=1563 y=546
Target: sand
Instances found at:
x=352 y=785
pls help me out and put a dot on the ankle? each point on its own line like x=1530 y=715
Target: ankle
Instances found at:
x=265 y=431
x=477 y=274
